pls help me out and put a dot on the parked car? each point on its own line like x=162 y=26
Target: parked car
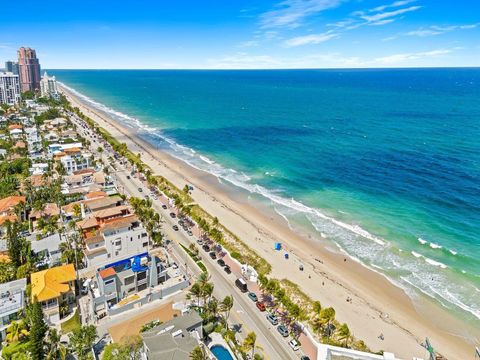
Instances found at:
x=164 y=207
x=241 y=284
x=260 y=306
x=128 y=177
x=221 y=262
x=189 y=232
x=253 y=296
x=175 y=227
x=272 y=319
x=172 y=215
x=140 y=189
x=213 y=255
x=304 y=357
x=227 y=269
x=200 y=242
x=206 y=247
x=282 y=329
x=294 y=344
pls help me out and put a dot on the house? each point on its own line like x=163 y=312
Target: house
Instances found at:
x=12 y=303
x=115 y=282
x=49 y=210
x=74 y=160
x=53 y=288
x=38 y=168
x=7 y=205
x=174 y=339
x=114 y=238
x=39 y=180
x=47 y=249
x=57 y=148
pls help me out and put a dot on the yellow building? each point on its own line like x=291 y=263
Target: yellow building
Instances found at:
x=52 y=288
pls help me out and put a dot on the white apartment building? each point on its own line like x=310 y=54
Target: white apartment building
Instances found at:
x=75 y=163
x=48 y=86
x=115 y=240
x=9 y=89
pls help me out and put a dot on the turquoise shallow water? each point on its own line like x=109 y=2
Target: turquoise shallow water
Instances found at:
x=385 y=163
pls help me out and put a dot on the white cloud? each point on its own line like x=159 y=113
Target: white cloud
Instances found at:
x=423 y=32
x=401 y=58
x=388 y=14
x=433 y=31
x=290 y=13
x=310 y=39
x=392 y=5
x=382 y=22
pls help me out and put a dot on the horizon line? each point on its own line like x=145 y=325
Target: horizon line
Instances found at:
x=273 y=69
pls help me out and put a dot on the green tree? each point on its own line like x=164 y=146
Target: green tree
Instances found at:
x=327 y=316
x=17 y=331
x=344 y=334
x=53 y=345
x=198 y=353
x=38 y=329
x=249 y=343
x=226 y=306
x=82 y=340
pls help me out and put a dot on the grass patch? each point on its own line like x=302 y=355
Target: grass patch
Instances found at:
x=200 y=264
x=71 y=324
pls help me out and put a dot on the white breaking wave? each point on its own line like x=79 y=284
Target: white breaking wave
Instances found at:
x=421 y=241
x=435 y=246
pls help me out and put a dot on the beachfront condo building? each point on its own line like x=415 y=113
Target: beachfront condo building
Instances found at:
x=28 y=69
x=9 y=89
x=11 y=66
x=48 y=86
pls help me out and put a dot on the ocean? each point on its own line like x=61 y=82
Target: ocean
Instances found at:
x=384 y=164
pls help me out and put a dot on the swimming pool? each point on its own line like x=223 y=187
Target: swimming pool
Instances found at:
x=220 y=352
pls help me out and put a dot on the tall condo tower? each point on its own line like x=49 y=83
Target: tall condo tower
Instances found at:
x=29 y=69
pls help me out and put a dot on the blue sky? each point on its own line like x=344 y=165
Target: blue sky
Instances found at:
x=244 y=33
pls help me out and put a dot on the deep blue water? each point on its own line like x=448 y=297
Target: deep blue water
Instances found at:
x=384 y=163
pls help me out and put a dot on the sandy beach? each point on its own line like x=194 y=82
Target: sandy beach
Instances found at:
x=378 y=307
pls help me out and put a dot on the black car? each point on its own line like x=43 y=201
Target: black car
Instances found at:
x=206 y=247
x=128 y=177
x=221 y=262
x=172 y=215
x=213 y=255
x=140 y=190
x=227 y=269
x=175 y=227
x=164 y=207
x=304 y=357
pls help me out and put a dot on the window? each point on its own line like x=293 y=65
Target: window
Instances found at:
x=110 y=281
x=145 y=244
x=142 y=275
x=129 y=280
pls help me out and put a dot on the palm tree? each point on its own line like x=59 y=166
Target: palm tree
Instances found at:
x=327 y=315
x=198 y=353
x=226 y=305
x=344 y=334
x=195 y=292
x=250 y=342
x=53 y=342
x=213 y=308
x=207 y=291
x=16 y=331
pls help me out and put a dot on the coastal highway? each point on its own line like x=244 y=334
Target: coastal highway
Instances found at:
x=244 y=311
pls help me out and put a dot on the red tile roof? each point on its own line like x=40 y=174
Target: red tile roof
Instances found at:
x=107 y=272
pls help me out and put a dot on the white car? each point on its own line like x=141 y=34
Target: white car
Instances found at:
x=294 y=344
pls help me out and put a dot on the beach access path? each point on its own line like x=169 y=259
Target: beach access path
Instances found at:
x=378 y=307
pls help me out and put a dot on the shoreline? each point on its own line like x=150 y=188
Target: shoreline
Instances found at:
x=374 y=296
